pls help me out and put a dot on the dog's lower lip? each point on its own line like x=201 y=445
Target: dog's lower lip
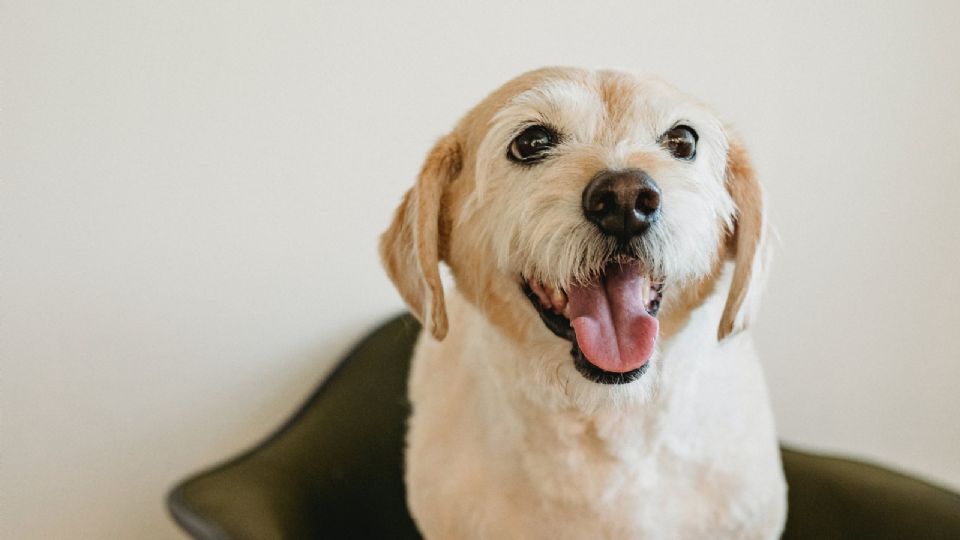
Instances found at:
x=597 y=375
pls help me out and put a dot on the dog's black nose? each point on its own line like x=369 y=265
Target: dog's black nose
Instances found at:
x=622 y=203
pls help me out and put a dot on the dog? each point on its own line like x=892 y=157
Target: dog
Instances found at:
x=591 y=373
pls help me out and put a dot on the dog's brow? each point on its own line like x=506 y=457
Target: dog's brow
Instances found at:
x=557 y=94
x=563 y=103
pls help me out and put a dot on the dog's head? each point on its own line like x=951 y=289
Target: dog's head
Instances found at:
x=592 y=208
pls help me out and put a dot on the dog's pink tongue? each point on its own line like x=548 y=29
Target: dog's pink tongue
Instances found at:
x=614 y=330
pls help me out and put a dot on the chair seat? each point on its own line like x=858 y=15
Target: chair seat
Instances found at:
x=335 y=470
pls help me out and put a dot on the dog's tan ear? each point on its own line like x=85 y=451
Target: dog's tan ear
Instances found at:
x=411 y=248
x=747 y=241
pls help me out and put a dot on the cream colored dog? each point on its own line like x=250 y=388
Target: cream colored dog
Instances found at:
x=605 y=234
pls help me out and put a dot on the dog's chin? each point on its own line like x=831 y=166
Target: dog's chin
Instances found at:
x=618 y=332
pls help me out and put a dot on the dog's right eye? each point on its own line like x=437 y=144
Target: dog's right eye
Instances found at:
x=531 y=145
x=681 y=141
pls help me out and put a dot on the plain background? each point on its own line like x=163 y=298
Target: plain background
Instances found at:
x=192 y=193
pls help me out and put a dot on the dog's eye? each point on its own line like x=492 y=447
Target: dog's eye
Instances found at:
x=531 y=145
x=680 y=141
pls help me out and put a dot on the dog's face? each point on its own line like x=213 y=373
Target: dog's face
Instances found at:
x=590 y=210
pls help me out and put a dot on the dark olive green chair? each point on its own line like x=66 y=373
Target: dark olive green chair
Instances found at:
x=334 y=470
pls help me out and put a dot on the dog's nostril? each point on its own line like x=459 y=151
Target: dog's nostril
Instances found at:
x=622 y=203
x=597 y=204
x=648 y=202
x=605 y=203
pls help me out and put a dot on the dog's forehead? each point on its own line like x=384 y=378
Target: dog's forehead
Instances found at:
x=601 y=105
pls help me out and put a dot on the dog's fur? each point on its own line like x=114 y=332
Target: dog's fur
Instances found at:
x=507 y=439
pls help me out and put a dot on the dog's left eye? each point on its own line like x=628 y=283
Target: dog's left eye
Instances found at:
x=680 y=141
x=531 y=145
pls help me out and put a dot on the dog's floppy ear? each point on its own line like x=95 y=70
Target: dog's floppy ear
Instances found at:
x=747 y=241
x=411 y=248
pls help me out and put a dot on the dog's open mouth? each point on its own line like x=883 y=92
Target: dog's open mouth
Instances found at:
x=611 y=320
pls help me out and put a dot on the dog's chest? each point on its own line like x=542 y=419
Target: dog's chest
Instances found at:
x=609 y=480
x=576 y=479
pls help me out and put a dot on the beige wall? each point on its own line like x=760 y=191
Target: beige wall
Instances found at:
x=191 y=194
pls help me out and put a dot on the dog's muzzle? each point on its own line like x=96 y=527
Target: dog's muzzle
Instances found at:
x=611 y=318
